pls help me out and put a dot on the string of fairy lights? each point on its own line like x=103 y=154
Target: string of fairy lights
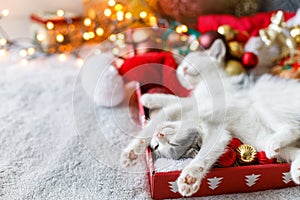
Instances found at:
x=67 y=37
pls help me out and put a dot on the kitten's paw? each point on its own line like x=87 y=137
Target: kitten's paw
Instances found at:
x=189 y=180
x=273 y=148
x=148 y=101
x=129 y=158
x=295 y=171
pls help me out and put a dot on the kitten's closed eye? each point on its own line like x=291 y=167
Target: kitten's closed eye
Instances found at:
x=155 y=147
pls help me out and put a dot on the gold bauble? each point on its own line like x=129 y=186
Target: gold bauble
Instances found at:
x=234 y=67
x=236 y=49
x=246 y=154
x=227 y=31
x=295 y=33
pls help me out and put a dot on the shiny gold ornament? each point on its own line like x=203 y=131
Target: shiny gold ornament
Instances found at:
x=227 y=31
x=295 y=33
x=246 y=154
x=236 y=49
x=275 y=34
x=234 y=67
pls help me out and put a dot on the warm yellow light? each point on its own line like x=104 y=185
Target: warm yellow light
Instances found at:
x=91 y=34
x=3 y=52
x=79 y=62
x=60 y=13
x=30 y=51
x=98 y=52
x=118 y=7
x=120 y=36
x=120 y=15
x=60 y=38
x=86 y=36
x=115 y=51
x=62 y=57
x=40 y=37
x=5 y=12
x=178 y=29
x=194 y=45
x=153 y=20
x=107 y=12
x=99 y=31
x=128 y=15
x=24 y=62
x=119 y=42
x=183 y=28
x=143 y=14
x=112 y=37
x=50 y=25
x=23 y=53
x=87 y=22
x=111 y=3
x=3 y=41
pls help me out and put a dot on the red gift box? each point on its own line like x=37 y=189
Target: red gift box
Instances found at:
x=238 y=179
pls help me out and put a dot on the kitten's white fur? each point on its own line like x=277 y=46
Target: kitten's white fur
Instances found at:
x=265 y=115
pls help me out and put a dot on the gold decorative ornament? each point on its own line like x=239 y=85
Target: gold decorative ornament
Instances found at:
x=246 y=154
x=278 y=33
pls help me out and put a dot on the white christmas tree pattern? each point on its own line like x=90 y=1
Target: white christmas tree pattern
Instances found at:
x=286 y=178
x=252 y=179
x=214 y=182
x=173 y=186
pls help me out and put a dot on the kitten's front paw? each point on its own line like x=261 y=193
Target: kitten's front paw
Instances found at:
x=129 y=158
x=295 y=171
x=189 y=180
x=273 y=148
x=147 y=100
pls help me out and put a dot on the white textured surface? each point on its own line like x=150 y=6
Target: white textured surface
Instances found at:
x=42 y=156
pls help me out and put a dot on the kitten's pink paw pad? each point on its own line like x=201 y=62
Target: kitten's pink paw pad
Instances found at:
x=189 y=181
x=128 y=159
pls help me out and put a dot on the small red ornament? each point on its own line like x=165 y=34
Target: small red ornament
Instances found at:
x=228 y=158
x=262 y=158
x=208 y=38
x=235 y=143
x=249 y=60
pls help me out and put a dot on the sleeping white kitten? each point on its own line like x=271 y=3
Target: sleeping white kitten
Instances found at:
x=265 y=115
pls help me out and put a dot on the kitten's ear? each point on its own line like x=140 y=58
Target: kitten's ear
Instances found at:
x=217 y=50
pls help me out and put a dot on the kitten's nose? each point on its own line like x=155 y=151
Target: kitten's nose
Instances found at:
x=160 y=135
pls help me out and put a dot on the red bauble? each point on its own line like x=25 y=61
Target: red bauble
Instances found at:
x=262 y=158
x=235 y=143
x=249 y=60
x=228 y=158
x=208 y=38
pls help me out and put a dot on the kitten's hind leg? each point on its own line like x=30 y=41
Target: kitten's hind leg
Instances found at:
x=281 y=139
x=190 y=178
x=153 y=101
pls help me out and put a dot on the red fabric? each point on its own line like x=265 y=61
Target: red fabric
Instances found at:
x=235 y=143
x=153 y=69
x=262 y=158
x=251 y=24
x=228 y=158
